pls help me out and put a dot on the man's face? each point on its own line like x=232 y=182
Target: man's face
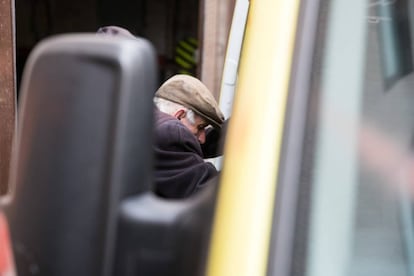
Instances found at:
x=198 y=129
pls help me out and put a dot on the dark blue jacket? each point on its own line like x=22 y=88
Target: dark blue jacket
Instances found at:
x=180 y=169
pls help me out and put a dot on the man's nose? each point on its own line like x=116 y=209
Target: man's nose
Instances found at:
x=202 y=137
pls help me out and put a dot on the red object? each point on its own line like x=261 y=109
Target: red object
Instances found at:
x=6 y=257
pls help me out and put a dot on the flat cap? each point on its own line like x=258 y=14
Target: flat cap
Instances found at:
x=193 y=94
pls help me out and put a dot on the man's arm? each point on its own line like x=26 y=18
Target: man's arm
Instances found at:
x=179 y=166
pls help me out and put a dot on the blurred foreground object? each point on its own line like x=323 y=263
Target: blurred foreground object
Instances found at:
x=6 y=257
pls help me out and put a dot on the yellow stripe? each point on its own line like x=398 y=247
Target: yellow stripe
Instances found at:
x=183 y=54
x=193 y=41
x=183 y=63
x=185 y=72
x=242 y=224
x=187 y=46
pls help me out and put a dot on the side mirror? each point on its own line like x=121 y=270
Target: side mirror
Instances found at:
x=83 y=144
x=82 y=170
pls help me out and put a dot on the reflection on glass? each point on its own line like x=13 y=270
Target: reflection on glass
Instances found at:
x=394 y=39
x=361 y=217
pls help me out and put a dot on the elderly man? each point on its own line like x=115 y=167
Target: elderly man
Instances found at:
x=184 y=109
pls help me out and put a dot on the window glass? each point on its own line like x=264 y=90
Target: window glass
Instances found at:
x=361 y=163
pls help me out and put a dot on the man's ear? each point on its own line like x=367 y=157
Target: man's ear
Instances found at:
x=179 y=114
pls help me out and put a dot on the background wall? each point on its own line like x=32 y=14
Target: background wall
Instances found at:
x=7 y=96
x=163 y=22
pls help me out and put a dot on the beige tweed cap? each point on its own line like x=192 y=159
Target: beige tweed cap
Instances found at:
x=193 y=94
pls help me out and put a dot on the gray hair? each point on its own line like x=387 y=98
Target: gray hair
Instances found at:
x=170 y=108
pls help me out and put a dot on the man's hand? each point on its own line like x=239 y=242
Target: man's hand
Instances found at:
x=214 y=144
